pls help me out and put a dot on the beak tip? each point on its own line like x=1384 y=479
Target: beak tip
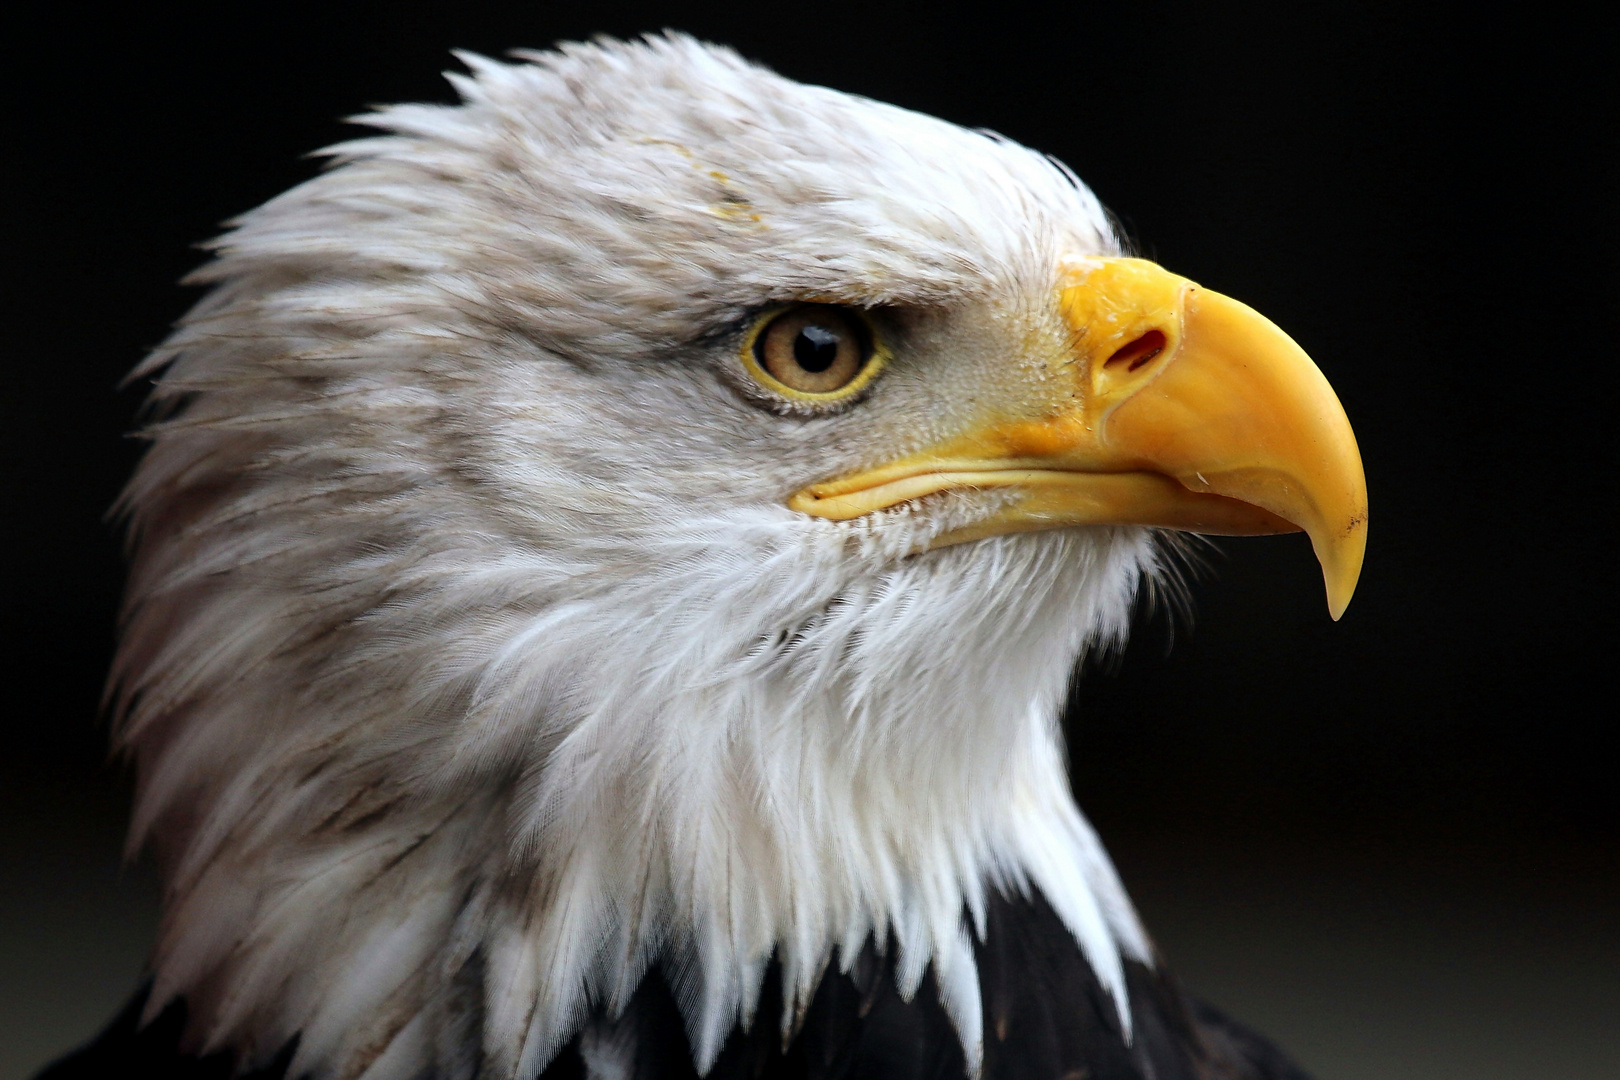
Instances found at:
x=1341 y=565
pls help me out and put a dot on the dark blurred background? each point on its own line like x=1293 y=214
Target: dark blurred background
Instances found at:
x=1391 y=841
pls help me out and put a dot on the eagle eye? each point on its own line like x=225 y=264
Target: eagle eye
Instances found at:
x=813 y=352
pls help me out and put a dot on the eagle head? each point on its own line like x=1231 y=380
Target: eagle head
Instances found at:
x=644 y=517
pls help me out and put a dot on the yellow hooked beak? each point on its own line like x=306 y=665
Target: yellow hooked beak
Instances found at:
x=1178 y=408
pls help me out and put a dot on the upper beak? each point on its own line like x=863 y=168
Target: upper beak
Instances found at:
x=1192 y=412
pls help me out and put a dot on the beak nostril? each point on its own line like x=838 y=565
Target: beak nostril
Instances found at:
x=1135 y=354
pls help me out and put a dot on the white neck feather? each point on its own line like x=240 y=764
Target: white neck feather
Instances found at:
x=438 y=836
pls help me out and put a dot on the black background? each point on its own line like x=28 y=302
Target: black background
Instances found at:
x=1391 y=840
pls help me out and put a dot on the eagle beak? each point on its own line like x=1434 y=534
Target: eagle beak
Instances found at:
x=1169 y=405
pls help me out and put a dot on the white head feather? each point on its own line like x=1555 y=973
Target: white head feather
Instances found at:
x=473 y=663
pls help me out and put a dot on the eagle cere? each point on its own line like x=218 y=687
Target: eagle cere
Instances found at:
x=625 y=538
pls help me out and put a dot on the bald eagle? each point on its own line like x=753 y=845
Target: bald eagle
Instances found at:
x=606 y=572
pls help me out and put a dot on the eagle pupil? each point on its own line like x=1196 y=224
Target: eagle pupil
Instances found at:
x=815 y=349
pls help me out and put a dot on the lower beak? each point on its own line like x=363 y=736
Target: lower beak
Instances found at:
x=1194 y=412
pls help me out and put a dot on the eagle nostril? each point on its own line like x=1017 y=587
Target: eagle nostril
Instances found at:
x=1135 y=354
